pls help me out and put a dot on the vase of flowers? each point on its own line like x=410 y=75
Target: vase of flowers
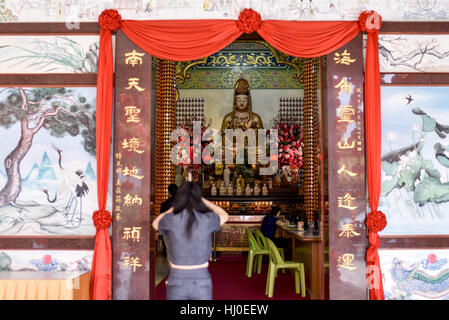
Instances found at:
x=290 y=151
x=187 y=153
x=290 y=145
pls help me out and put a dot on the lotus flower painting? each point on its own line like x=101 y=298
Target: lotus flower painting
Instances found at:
x=415 y=160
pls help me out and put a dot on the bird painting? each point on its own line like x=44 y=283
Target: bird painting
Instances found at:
x=409 y=98
x=74 y=182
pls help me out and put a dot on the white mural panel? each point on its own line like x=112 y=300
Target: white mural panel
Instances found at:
x=49 y=54
x=74 y=11
x=414 y=53
x=46 y=260
x=415 y=274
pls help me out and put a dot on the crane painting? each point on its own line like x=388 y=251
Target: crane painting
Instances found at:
x=75 y=183
x=47 y=161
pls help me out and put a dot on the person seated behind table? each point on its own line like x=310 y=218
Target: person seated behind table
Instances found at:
x=188 y=225
x=269 y=225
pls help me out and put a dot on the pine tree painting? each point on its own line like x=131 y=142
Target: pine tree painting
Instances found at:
x=41 y=128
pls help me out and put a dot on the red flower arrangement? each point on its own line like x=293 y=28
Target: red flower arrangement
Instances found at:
x=290 y=145
x=186 y=150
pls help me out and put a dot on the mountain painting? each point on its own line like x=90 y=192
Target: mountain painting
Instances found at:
x=48 y=161
x=415 y=160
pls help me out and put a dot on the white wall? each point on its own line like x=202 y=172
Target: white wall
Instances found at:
x=86 y=10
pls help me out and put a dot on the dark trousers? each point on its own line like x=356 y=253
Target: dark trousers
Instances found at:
x=193 y=284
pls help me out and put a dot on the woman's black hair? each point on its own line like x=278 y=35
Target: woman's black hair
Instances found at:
x=172 y=189
x=274 y=210
x=189 y=197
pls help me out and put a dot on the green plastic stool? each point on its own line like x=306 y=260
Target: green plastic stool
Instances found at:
x=253 y=251
x=263 y=244
x=276 y=262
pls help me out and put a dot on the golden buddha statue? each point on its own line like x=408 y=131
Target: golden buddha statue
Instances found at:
x=241 y=116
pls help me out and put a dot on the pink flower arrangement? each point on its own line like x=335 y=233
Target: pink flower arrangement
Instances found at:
x=186 y=150
x=290 y=145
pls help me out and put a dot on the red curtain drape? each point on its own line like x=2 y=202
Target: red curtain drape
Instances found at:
x=182 y=40
x=376 y=220
x=101 y=271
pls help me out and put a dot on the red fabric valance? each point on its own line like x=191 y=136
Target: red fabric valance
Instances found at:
x=182 y=40
x=308 y=39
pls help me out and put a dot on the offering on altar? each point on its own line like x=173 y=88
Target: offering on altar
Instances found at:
x=185 y=173
x=222 y=190
x=276 y=182
x=239 y=190
x=227 y=176
x=265 y=190
x=256 y=190
x=284 y=181
x=241 y=182
x=218 y=169
x=248 y=190
x=300 y=226
x=295 y=179
x=178 y=175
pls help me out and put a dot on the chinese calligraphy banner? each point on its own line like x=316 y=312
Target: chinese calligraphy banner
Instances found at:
x=347 y=193
x=131 y=157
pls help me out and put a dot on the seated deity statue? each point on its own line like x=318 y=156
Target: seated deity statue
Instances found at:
x=242 y=117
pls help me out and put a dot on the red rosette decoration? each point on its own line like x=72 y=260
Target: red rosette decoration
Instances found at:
x=249 y=21
x=376 y=221
x=110 y=20
x=102 y=219
x=370 y=21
